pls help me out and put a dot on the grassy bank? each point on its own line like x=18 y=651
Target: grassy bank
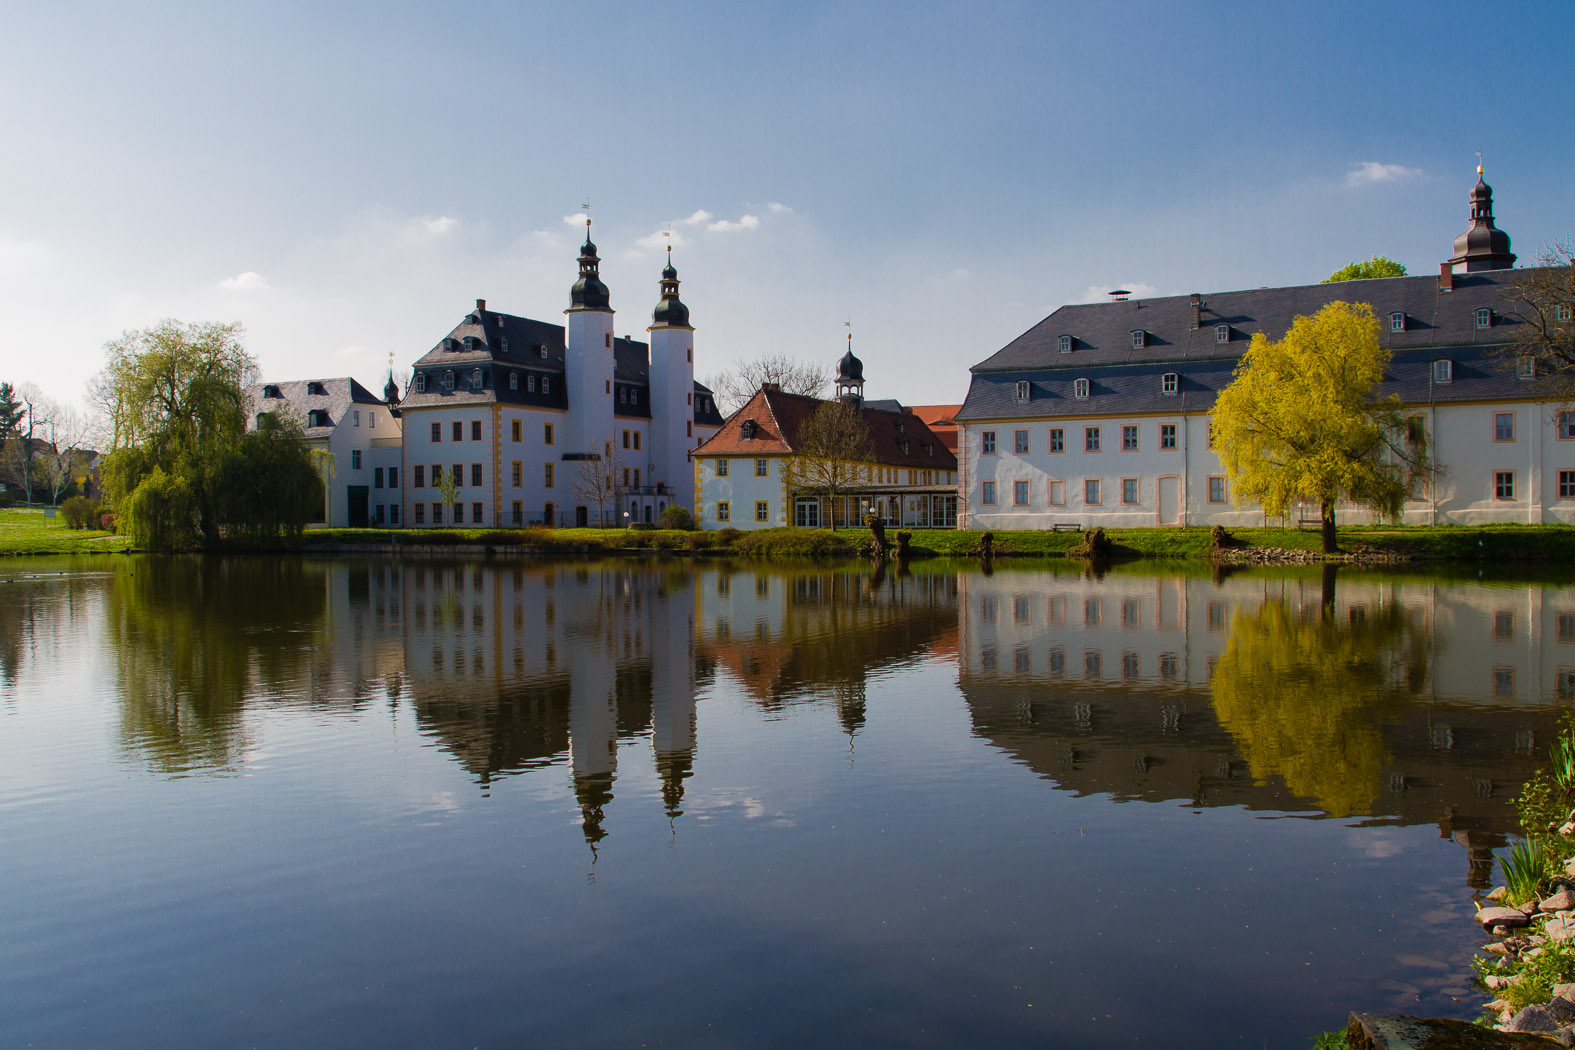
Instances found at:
x=28 y=530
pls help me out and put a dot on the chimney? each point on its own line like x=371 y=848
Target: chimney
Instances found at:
x=1446 y=278
x=481 y=306
x=1197 y=310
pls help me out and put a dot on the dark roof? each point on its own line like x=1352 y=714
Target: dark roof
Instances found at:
x=337 y=397
x=778 y=416
x=1124 y=379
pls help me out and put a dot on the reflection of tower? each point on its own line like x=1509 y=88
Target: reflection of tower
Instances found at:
x=593 y=717
x=673 y=692
x=850 y=708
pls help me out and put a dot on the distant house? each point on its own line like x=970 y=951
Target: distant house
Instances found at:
x=362 y=434
x=743 y=477
x=942 y=421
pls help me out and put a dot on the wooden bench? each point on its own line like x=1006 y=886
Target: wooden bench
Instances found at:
x=1066 y=526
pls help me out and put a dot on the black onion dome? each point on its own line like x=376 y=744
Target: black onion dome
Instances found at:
x=671 y=310
x=850 y=369
x=668 y=272
x=1483 y=246
x=391 y=390
x=589 y=293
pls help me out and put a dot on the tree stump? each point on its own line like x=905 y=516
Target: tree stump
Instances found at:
x=986 y=548
x=902 y=543
x=1095 y=545
x=878 y=530
x=1220 y=539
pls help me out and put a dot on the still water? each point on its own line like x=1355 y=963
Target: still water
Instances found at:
x=412 y=803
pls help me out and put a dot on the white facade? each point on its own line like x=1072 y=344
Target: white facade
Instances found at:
x=360 y=432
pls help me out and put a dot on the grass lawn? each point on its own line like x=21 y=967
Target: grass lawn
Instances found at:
x=27 y=530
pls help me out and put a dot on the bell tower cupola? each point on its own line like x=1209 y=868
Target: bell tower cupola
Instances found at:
x=589 y=293
x=850 y=377
x=1483 y=246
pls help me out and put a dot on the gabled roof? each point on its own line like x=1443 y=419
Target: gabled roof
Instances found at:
x=297 y=399
x=777 y=417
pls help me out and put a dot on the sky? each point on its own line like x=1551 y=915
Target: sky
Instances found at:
x=345 y=180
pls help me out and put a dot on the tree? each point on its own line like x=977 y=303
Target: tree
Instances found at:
x=733 y=387
x=1377 y=266
x=267 y=485
x=1545 y=306
x=829 y=451
x=176 y=394
x=447 y=484
x=1301 y=420
x=596 y=479
x=60 y=452
x=19 y=449
x=11 y=413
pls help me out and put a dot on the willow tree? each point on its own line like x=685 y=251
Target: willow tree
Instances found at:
x=1302 y=420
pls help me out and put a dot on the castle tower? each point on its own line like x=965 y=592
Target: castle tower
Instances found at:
x=1483 y=246
x=850 y=377
x=672 y=391
x=588 y=360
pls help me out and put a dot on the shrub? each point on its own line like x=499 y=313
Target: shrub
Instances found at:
x=163 y=513
x=7 y=498
x=676 y=517
x=106 y=521
x=79 y=512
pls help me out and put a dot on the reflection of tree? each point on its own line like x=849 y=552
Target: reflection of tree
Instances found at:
x=1305 y=695
x=194 y=638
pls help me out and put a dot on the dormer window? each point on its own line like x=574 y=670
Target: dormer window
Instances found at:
x=271 y=391
x=1561 y=312
x=530 y=384
x=475 y=379
x=317 y=418
x=1170 y=382
x=448 y=380
x=623 y=395
x=929 y=449
x=316 y=388
x=1525 y=368
x=421 y=382
x=541 y=350
x=1397 y=321
x=1064 y=344
x=1022 y=391
x=747 y=430
x=1080 y=389
x=1222 y=333
x=514 y=380
x=1443 y=370
x=503 y=344
x=904 y=448
x=260 y=417
x=1139 y=338
x=546 y=384
x=1484 y=317
x=470 y=342
x=901 y=427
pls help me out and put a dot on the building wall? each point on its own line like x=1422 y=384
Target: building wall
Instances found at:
x=741 y=489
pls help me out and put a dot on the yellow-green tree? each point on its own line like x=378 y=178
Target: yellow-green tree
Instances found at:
x=1366 y=270
x=1302 y=420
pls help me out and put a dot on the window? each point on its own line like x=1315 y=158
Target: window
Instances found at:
x=514 y=430
x=437 y=513
x=475 y=513
x=357 y=417
x=623 y=395
x=1058 y=493
x=530 y=384
x=1020 y=442
x=475 y=430
x=393 y=518
x=377 y=477
x=1567 y=484
x=1397 y=321
x=987 y=493
x=1443 y=370
x=355 y=459
x=437 y=433
x=987 y=443
x=636 y=477
x=1216 y=488
x=1503 y=426
x=1057 y=439
x=546 y=433
x=1129 y=490
x=514 y=379
x=1415 y=429
x=371 y=420
x=625 y=477
x=1020 y=493
x=547 y=475
x=514 y=473
x=1503 y=484
x=1566 y=426
x=1222 y=333
x=762 y=510
x=393 y=478
x=1091 y=491
x=1022 y=390
x=724 y=512
x=475 y=379
x=1167 y=436
x=421 y=513
x=637 y=441
x=1080 y=389
x=421 y=382
x=1561 y=312
x=437 y=474
x=625 y=439
x=1139 y=337
x=1090 y=439
x=517 y=513
x=448 y=384
x=1169 y=383
x=721 y=468
x=1525 y=368
x=1129 y=439
x=475 y=475
x=457 y=472
x=761 y=468
x=546 y=384
x=418 y=476
x=459 y=430
x=316 y=388
x=1064 y=344
x=1484 y=317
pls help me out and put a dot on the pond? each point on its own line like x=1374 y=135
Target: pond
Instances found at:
x=419 y=803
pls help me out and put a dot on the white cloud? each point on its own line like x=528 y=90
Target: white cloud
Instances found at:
x=778 y=208
x=250 y=281
x=661 y=239
x=698 y=216
x=1099 y=293
x=440 y=225
x=747 y=222
x=1370 y=171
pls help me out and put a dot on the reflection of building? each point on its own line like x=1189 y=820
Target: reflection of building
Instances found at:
x=1143 y=687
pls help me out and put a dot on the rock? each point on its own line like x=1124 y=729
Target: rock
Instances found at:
x=1569 y=867
x=1494 y=982
x=1564 y=991
x=1533 y=1018
x=1500 y=931
x=1490 y=917
x=1529 y=908
x=1394 y=1031
x=1565 y=1035
x=1498 y=893
x=1560 y=901
x=1567 y=829
x=1559 y=929
x=1562 y=1011
x=1496 y=948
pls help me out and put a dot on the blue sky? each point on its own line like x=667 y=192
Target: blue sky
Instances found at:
x=346 y=179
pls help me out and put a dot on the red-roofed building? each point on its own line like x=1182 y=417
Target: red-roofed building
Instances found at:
x=941 y=419
x=741 y=478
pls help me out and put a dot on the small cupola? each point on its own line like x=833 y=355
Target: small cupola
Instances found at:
x=1483 y=246
x=850 y=377
x=589 y=293
x=670 y=311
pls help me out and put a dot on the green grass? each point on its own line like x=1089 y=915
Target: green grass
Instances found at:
x=26 y=530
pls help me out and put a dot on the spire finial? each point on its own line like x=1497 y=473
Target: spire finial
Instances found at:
x=586 y=208
x=1479 y=164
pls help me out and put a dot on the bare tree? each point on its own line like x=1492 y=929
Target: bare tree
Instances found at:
x=831 y=450
x=60 y=451
x=1544 y=303
x=596 y=478
x=736 y=385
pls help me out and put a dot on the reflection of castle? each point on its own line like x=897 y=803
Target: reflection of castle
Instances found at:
x=1250 y=692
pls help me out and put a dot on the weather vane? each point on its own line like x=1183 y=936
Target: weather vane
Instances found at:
x=1479 y=162
x=848 y=324
x=586 y=208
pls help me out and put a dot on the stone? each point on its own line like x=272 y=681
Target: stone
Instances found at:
x=1569 y=867
x=1500 y=931
x=1496 y=948
x=1561 y=1010
x=1560 y=901
x=1534 y=1018
x=1498 y=893
x=1490 y=917
x=1494 y=982
x=1567 y=829
x=1401 y=1032
x=1565 y=1035
x=1564 y=991
x=1559 y=929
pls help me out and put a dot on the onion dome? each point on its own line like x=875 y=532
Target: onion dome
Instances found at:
x=589 y=293
x=391 y=390
x=670 y=311
x=1483 y=246
x=850 y=369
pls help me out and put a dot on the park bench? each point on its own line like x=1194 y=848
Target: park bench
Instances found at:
x=1066 y=526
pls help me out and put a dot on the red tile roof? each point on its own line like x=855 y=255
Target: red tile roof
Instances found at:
x=778 y=417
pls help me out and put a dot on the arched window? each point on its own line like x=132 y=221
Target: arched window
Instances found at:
x=475 y=379
x=421 y=383
x=514 y=380
x=448 y=380
x=1064 y=344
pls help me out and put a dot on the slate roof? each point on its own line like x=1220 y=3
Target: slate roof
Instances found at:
x=1438 y=324
x=337 y=397
x=778 y=416
x=501 y=343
